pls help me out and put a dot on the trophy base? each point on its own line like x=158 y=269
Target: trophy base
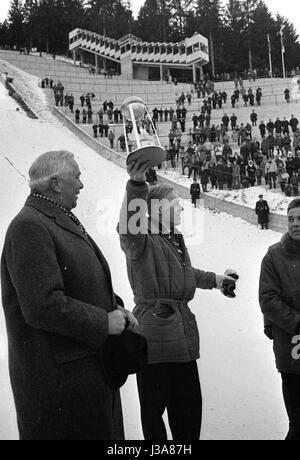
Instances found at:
x=153 y=154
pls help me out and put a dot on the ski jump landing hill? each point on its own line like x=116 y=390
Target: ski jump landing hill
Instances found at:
x=78 y=80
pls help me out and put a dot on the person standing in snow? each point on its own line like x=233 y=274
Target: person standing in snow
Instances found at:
x=111 y=138
x=60 y=309
x=279 y=301
x=195 y=192
x=77 y=116
x=262 y=210
x=164 y=282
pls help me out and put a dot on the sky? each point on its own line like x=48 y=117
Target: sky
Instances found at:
x=288 y=8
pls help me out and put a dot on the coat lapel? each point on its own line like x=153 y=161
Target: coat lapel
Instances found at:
x=102 y=260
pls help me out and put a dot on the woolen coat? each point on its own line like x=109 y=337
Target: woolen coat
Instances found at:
x=262 y=210
x=279 y=294
x=57 y=293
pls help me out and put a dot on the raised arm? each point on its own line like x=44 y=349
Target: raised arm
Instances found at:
x=133 y=223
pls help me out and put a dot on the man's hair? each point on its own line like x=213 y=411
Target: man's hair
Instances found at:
x=294 y=204
x=158 y=192
x=46 y=166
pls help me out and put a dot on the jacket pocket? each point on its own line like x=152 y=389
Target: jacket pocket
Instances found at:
x=157 y=328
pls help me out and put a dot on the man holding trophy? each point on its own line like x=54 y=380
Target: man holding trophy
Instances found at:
x=163 y=282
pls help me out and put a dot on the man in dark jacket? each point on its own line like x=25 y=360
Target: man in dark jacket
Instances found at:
x=294 y=123
x=233 y=120
x=262 y=210
x=279 y=295
x=164 y=282
x=195 y=192
x=253 y=118
x=60 y=309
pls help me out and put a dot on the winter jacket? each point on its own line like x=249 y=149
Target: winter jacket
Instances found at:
x=271 y=167
x=296 y=140
x=262 y=210
x=281 y=172
x=236 y=171
x=279 y=295
x=161 y=280
x=195 y=191
x=290 y=165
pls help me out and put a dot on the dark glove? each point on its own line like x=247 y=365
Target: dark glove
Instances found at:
x=229 y=286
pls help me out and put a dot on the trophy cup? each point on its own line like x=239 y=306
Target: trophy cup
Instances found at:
x=140 y=144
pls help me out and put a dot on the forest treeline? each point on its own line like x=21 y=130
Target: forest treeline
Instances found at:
x=237 y=31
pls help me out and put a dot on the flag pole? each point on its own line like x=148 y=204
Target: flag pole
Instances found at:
x=282 y=53
x=270 y=56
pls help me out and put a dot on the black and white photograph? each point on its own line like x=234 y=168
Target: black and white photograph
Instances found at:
x=150 y=223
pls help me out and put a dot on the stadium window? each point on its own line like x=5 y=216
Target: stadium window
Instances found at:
x=162 y=50
x=175 y=50
x=123 y=49
x=189 y=50
x=169 y=50
x=196 y=47
x=156 y=50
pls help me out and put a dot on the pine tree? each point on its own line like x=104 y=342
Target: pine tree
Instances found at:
x=16 y=21
x=150 y=25
x=208 y=22
x=4 y=34
x=30 y=10
x=112 y=18
x=233 y=27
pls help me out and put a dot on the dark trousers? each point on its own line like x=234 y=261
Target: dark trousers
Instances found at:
x=291 y=394
x=175 y=387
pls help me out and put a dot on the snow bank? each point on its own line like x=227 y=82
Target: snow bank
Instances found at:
x=245 y=197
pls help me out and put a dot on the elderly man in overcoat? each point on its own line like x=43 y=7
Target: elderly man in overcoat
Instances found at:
x=60 y=308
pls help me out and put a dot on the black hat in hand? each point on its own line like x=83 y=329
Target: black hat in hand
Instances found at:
x=123 y=355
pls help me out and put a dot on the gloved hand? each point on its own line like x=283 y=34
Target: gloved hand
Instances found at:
x=227 y=284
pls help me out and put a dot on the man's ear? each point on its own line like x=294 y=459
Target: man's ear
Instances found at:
x=54 y=184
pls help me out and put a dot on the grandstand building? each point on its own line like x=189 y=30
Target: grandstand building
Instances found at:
x=135 y=59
